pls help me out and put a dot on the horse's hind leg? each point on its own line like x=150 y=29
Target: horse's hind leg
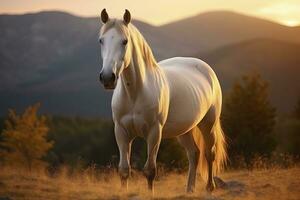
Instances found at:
x=206 y=126
x=187 y=141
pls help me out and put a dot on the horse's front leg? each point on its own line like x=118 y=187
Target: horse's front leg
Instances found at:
x=153 y=142
x=124 y=144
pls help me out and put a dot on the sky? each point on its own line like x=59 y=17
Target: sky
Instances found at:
x=160 y=12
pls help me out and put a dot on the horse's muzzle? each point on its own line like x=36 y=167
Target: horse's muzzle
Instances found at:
x=109 y=81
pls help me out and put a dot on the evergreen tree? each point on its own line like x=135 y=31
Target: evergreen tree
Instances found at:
x=24 y=140
x=249 y=118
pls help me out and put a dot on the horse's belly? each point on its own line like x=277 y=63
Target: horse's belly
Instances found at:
x=173 y=129
x=186 y=109
x=182 y=119
x=190 y=98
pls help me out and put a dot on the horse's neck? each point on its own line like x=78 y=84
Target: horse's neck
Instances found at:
x=133 y=78
x=135 y=75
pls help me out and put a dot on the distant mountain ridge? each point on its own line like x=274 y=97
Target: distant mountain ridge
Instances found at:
x=211 y=30
x=54 y=57
x=277 y=61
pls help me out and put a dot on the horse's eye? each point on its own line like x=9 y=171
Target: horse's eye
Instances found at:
x=124 y=42
x=101 y=40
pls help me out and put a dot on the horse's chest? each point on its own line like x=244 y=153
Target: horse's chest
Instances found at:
x=140 y=115
x=138 y=121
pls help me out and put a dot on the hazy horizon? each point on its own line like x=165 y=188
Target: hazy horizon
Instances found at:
x=278 y=11
x=145 y=21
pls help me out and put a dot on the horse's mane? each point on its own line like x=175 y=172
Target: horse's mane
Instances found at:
x=140 y=47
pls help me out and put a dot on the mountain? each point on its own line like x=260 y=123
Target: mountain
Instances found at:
x=277 y=61
x=54 y=57
x=211 y=30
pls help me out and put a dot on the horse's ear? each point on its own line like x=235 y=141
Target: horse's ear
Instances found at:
x=127 y=17
x=104 y=16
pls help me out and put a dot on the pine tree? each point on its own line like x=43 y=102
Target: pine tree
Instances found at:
x=24 y=140
x=249 y=118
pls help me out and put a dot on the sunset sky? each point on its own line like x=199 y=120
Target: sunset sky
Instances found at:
x=162 y=11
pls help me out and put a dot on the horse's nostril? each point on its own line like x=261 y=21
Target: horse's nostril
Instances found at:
x=101 y=77
x=113 y=76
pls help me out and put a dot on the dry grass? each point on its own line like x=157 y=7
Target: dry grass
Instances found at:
x=89 y=185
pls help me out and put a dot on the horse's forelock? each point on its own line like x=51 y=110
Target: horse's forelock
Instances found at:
x=114 y=23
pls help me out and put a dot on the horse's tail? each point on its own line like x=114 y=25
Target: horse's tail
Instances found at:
x=219 y=147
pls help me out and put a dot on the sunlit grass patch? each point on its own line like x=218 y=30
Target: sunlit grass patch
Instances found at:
x=104 y=184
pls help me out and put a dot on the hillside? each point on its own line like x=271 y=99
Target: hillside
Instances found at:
x=277 y=61
x=43 y=56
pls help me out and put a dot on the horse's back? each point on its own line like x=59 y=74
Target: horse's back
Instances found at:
x=187 y=67
x=192 y=85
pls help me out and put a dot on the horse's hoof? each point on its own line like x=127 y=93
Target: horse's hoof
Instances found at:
x=210 y=187
x=190 y=191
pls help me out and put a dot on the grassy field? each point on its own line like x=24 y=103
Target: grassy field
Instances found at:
x=257 y=184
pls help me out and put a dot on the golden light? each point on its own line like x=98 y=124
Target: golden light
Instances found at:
x=286 y=13
x=159 y=12
x=280 y=9
x=290 y=22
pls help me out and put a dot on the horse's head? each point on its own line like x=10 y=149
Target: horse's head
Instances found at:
x=115 y=44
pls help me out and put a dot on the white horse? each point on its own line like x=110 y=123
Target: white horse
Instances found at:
x=178 y=97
